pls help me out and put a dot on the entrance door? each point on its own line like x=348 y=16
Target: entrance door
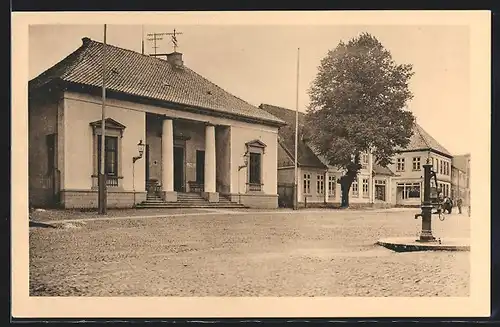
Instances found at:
x=178 y=169
x=200 y=166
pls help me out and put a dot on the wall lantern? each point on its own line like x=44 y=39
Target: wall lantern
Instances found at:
x=245 y=161
x=140 y=149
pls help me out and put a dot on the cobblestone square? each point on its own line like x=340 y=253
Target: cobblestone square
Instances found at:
x=246 y=253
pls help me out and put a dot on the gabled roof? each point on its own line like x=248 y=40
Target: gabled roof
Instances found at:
x=147 y=77
x=306 y=153
x=379 y=170
x=461 y=162
x=421 y=140
x=306 y=156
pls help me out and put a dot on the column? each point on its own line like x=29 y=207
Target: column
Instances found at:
x=167 y=151
x=210 y=169
x=326 y=186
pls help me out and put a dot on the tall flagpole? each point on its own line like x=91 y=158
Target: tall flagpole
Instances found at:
x=102 y=174
x=296 y=186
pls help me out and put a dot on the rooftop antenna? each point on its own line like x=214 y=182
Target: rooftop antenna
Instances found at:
x=155 y=37
x=158 y=37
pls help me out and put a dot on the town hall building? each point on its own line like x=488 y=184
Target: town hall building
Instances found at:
x=169 y=133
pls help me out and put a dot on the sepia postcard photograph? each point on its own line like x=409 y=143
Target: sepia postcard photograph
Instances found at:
x=251 y=164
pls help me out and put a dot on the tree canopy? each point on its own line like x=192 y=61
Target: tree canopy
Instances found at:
x=358 y=102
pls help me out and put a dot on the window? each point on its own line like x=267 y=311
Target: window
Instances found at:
x=355 y=188
x=110 y=155
x=320 y=184
x=441 y=167
x=331 y=185
x=112 y=151
x=255 y=150
x=307 y=183
x=400 y=164
x=409 y=190
x=255 y=168
x=416 y=163
x=365 y=187
x=364 y=160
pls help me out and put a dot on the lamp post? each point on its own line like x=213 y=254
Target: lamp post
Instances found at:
x=140 y=149
x=102 y=193
x=426 y=214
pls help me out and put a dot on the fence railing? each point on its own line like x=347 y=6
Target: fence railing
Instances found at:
x=111 y=181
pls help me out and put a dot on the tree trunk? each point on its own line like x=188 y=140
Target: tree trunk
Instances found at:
x=345 y=197
x=345 y=184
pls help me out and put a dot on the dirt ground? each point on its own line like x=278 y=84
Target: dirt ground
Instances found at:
x=208 y=253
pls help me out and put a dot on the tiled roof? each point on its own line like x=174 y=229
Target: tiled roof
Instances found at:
x=306 y=156
x=421 y=140
x=379 y=170
x=306 y=153
x=148 y=77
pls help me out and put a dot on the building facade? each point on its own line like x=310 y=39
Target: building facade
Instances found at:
x=198 y=138
x=460 y=178
x=407 y=186
x=317 y=181
x=398 y=184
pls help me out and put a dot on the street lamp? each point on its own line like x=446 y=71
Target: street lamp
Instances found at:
x=140 y=149
x=245 y=164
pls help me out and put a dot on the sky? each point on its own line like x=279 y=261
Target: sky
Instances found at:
x=258 y=63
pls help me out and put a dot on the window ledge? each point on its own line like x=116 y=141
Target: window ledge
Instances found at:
x=117 y=177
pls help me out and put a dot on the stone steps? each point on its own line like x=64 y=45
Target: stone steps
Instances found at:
x=187 y=200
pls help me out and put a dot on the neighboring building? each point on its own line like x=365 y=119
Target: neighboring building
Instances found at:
x=197 y=135
x=400 y=183
x=407 y=187
x=317 y=182
x=460 y=177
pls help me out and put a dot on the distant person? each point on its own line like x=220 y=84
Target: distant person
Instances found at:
x=459 y=205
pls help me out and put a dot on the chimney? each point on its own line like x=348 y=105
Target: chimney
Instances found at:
x=85 y=40
x=175 y=59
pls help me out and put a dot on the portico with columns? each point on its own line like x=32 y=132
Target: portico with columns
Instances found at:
x=182 y=157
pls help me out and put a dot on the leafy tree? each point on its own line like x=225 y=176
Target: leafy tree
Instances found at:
x=358 y=101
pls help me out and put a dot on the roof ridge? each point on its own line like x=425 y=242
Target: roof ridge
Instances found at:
x=71 y=58
x=284 y=108
x=419 y=131
x=128 y=50
x=84 y=48
x=283 y=145
x=185 y=67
